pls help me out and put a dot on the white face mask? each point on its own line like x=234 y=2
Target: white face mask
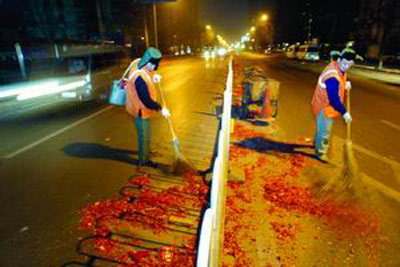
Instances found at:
x=150 y=67
x=345 y=64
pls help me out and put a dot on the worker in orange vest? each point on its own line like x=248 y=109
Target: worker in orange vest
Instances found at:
x=141 y=99
x=329 y=98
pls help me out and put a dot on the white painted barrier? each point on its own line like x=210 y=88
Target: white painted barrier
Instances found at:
x=205 y=239
x=212 y=233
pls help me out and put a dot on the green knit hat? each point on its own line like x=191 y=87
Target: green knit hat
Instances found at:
x=348 y=54
x=334 y=53
x=151 y=54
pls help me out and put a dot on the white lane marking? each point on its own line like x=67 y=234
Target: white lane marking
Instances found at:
x=381 y=187
x=58 y=132
x=392 y=163
x=375 y=155
x=394 y=126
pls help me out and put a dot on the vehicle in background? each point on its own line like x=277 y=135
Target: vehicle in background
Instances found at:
x=312 y=53
x=209 y=53
x=291 y=51
x=49 y=75
x=308 y=52
x=268 y=51
x=222 y=52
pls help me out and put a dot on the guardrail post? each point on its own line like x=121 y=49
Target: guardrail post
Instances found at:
x=21 y=62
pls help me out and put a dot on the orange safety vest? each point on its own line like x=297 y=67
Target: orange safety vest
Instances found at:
x=133 y=66
x=133 y=104
x=320 y=100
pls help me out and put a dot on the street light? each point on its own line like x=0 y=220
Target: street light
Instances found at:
x=253 y=29
x=264 y=17
x=208 y=27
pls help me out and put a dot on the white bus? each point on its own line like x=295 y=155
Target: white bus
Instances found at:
x=41 y=76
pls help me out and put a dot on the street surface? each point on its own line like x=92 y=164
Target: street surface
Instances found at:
x=56 y=161
x=282 y=215
x=53 y=162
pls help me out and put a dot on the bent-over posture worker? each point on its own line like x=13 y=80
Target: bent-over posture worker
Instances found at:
x=141 y=98
x=329 y=98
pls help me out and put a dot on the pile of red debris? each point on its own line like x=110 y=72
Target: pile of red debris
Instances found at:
x=350 y=220
x=284 y=232
x=287 y=199
x=149 y=209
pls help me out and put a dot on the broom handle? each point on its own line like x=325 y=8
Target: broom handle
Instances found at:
x=348 y=110
x=171 y=128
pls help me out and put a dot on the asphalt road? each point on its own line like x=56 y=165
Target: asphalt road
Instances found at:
x=55 y=161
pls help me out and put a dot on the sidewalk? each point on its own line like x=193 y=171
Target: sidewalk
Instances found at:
x=373 y=68
x=277 y=218
x=390 y=76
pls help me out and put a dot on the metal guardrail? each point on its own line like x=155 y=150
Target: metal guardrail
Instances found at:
x=210 y=249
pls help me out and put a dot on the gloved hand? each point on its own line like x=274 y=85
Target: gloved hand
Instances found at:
x=347 y=117
x=124 y=83
x=157 y=78
x=165 y=112
x=348 y=86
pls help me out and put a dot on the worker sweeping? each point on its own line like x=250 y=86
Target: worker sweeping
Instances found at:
x=141 y=99
x=329 y=98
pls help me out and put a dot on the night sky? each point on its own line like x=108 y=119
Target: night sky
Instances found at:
x=229 y=18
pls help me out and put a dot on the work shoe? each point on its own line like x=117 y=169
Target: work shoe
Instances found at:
x=151 y=164
x=154 y=153
x=323 y=158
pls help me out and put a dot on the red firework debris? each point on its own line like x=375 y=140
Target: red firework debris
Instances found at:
x=140 y=180
x=97 y=210
x=138 y=256
x=284 y=232
x=150 y=209
x=242 y=132
x=236 y=152
x=234 y=185
x=262 y=161
x=109 y=249
x=297 y=162
x=348 y=220
x=231 y=246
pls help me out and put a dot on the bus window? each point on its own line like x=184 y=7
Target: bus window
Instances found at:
x=312 y=49
x=71 y=66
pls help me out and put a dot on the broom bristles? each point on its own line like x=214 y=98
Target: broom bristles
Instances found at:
x=350 y=171
x=346 y=184
x=181 y=164
x=351 y=167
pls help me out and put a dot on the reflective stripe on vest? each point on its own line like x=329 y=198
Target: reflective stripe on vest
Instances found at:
x=320 y=99
x=134 y=105
x=134 y=67
x=323 y=76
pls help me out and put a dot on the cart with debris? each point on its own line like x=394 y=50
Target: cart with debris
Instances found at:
x=260 y=96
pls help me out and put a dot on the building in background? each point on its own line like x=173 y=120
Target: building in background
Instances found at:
x=373 y=26
x=379 y=28
x=70 y=21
